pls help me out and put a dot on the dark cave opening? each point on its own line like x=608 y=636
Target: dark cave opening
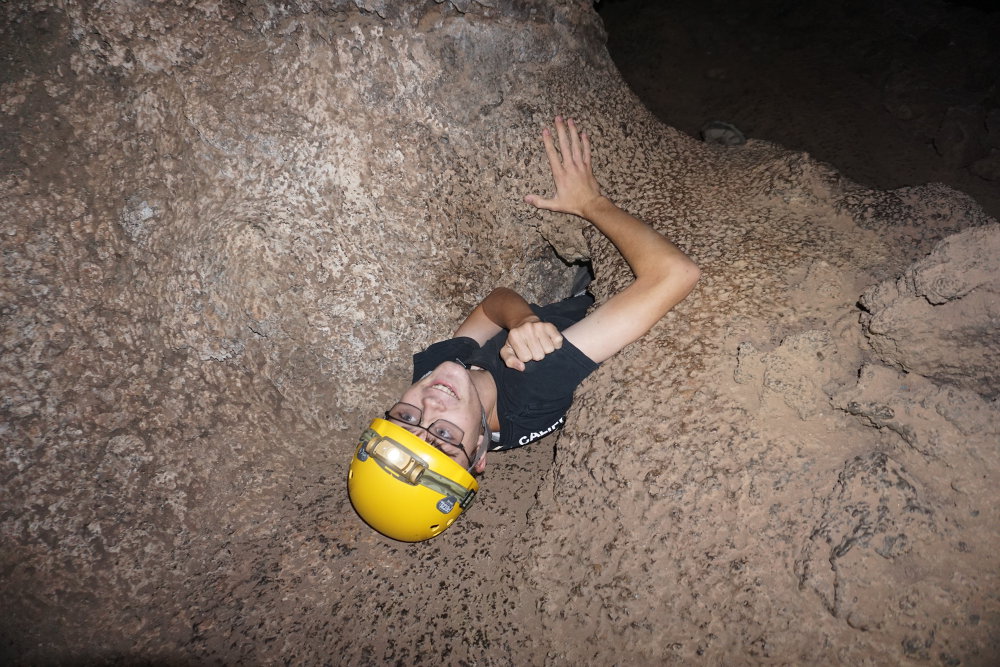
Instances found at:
x=891 y=94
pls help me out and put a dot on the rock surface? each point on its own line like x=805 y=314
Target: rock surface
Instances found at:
x=226 y=228
x=939 y=319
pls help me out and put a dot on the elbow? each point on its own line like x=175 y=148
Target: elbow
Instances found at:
x=680 y=275
x=503 y=292
x=689 y=274
x=664 y=286
x=674 y=282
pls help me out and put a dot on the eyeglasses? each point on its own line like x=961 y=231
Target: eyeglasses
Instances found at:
x=440 y=432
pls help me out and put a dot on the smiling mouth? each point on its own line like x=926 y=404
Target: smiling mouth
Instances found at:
x=445 y=389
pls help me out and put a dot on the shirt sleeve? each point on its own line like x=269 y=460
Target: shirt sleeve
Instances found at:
x=454 y=349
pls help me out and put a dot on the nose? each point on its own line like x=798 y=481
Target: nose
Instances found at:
x=430 y=405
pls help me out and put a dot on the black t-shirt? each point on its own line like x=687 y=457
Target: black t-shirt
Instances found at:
x=531 y=403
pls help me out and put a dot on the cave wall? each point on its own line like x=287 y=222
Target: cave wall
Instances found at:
x=229 y=225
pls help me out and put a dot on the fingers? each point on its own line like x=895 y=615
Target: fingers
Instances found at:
x=576 y=152
x=550 y=152
x=573 y=144
x=572 y=172
x=509 y=358
x=530 y=342
x=563 y=138
x=540 y=202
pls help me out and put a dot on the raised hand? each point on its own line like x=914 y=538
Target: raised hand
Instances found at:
x=572 y=172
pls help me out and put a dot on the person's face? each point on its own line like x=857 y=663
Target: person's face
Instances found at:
x=447 y=393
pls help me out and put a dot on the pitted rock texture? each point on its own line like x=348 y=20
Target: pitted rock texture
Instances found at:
x=913 y=218
x=954 y=428
x=228 y=225
x=939 y=319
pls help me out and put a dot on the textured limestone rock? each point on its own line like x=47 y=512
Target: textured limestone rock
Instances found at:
x=226 y=227
x=955 y=428
x=781 y=372
x=693 y=513
x=926 y=492
x=939 y=319
x=912 y=219
x=874 y=508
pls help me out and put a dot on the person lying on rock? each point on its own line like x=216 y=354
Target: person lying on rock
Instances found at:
x=507 y=376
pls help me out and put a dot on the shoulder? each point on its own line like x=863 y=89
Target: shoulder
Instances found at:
x=451 y=349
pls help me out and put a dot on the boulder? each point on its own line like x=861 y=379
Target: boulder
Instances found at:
x=939 y=318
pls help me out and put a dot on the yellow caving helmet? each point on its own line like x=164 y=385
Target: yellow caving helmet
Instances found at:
x=405 y=488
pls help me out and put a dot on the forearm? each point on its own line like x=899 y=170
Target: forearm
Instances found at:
x=529 y=338
x=506 y=308
x=648 y=253
x=501 y=309
x=664 y=275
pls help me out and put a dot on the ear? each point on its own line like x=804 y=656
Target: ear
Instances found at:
x=481 y=464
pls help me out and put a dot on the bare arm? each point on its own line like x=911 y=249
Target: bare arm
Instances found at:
x=664 y=275
x=529 y=338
